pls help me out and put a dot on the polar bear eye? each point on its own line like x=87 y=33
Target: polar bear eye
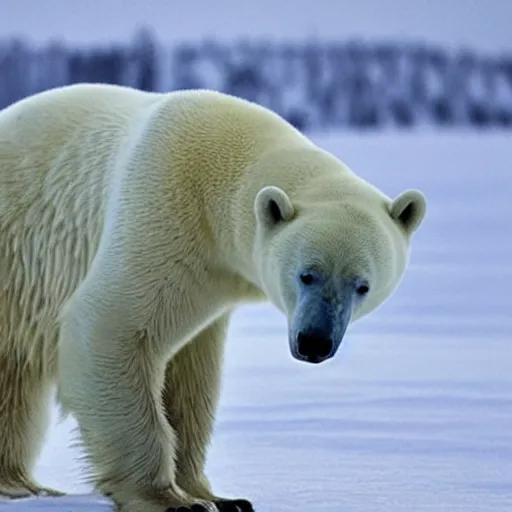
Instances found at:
x=307 y=278
x=362 y=289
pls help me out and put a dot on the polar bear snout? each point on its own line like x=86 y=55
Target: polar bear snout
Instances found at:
x=321 y=317
x=314 y=346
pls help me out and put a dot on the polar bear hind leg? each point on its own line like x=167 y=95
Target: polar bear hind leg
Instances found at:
x=25 y=399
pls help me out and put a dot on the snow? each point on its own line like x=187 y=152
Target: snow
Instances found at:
x=415 y=411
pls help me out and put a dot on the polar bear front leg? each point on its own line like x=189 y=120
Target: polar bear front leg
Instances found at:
x=110 y=379
x=190 y=397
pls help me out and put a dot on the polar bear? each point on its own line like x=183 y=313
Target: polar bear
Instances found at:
x=131 y=226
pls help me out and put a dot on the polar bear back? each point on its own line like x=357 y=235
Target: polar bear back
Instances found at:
x=42 y=135
x=56 y=153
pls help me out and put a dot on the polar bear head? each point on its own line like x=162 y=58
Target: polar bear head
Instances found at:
x=329 y=247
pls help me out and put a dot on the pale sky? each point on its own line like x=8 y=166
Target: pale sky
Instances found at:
x=484 y=25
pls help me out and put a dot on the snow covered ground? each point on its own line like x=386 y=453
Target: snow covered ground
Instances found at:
x=415 y=411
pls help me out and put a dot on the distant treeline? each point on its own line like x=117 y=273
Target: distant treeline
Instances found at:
x=313 y=84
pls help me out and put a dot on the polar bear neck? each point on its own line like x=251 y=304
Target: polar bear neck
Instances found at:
x=214 y=146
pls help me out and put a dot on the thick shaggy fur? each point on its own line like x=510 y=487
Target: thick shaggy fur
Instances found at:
x=131 y=225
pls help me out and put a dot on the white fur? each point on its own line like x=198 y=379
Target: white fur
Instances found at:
x=129 y=230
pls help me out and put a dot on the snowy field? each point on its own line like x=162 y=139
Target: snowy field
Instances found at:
x=415 y=411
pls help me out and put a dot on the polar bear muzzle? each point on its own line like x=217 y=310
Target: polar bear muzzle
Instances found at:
x=322 y=315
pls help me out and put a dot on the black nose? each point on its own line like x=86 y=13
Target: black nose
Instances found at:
x=313 y=346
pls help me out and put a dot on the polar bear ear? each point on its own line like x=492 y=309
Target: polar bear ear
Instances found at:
x=272 y=206
x=408 y=209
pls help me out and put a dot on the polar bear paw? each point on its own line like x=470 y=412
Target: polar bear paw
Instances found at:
x=26 y=490
x=236 y=505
